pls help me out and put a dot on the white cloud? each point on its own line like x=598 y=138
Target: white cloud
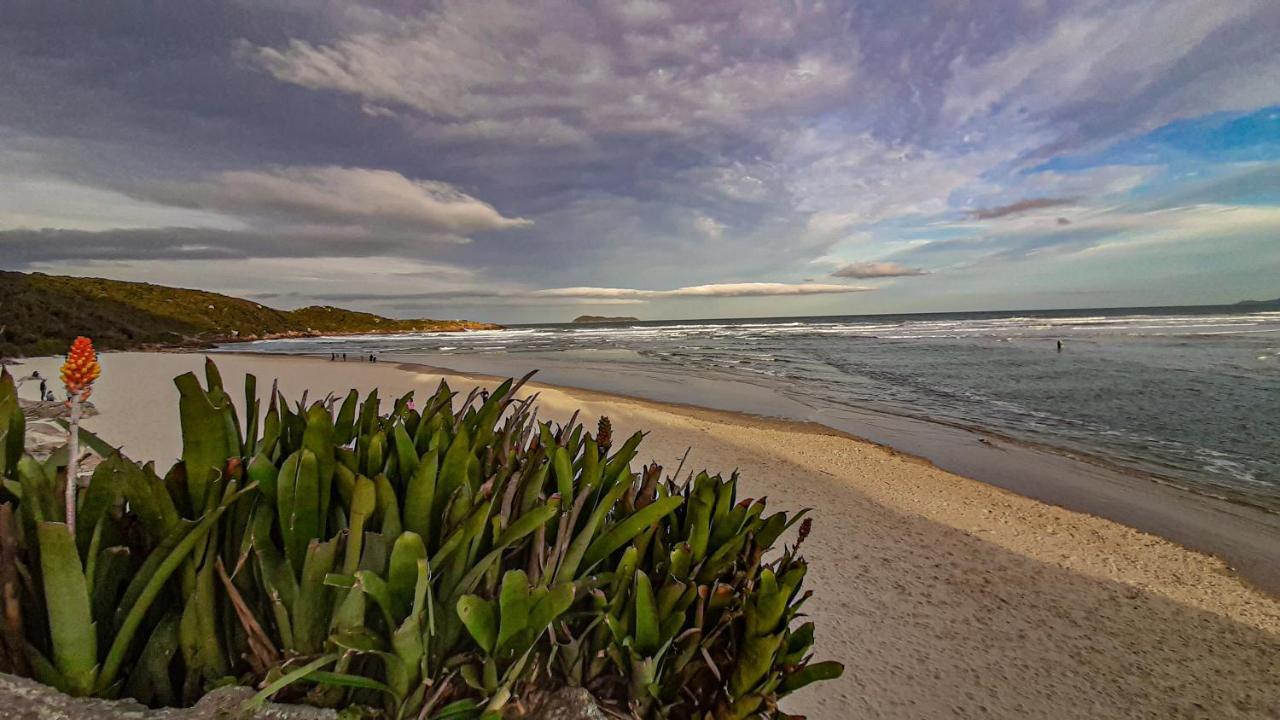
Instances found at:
x=1181 y=224
x=473 y=59
x=529 y=131
x=747 y=289
x=339 y=196
x=1096 y=230
x=709 y=227
x=1105 y=57
x=847 y=181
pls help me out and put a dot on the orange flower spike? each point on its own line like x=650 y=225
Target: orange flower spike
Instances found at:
x=81 y=367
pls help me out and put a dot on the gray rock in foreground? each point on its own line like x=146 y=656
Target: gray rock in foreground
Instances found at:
x=23 y=699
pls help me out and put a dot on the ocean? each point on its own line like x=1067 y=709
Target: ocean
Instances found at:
x=1187 y=395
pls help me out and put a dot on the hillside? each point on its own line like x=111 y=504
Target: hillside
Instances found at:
x=40 y=315
x=1260 y=304
x=604 y=319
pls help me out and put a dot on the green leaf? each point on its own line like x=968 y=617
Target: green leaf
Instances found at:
x=310 y=617
x=480 y=619
x=344 y=427
x=578 y=548
x=319 y=439
x=402 y=577
x=551 y=605
x=149 y=680
x=523 y=526
x=453 y=470
x=264 y=472
x=205 y=442
x=388 y=506
x=420 y=496
x=298 y=503
x=360 y=682
x=621 y=461
x=623 y=532
x=648 y=624
x=813 y=672
x=75 y=646
x=372 y=584
x=151 y=585
x=12 y=425
x=363 y=504
x=752 y=663
x=564 y=474
x=286 y=680
x=514 y=604
x=406 y=454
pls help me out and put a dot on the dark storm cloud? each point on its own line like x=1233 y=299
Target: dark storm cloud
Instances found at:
x=877 y=270
x=22 y=248
x=1014 y=208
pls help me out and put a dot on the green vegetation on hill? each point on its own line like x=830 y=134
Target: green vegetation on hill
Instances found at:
x=40 y=315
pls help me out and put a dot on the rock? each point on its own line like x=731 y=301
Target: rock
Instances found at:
x=570 y=703
x=24 y=699
x=45 y=437
x=49 y=409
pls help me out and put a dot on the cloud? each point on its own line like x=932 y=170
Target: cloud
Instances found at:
x=1014 y=208
x=24 y=247
x=609 y=67
x=1106 y=69
x=1098 y=230
x=877 y=270
x=709 y=227
x=287 y=281
x=605 y=295
x=338 y=196
x=852 y=180
x=649 y=143
x=723 y=290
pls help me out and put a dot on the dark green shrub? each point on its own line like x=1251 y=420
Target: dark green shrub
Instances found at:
x=455 y=560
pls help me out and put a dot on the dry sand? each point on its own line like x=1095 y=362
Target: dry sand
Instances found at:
x=943 y=596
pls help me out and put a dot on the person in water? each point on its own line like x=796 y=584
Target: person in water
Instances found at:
x=1059 y=346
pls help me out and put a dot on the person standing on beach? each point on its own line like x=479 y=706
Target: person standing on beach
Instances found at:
x=1059 y=346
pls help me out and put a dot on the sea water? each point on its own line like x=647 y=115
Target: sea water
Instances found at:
x=1188 y=395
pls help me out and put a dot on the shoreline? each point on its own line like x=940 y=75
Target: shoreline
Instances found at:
x=1246 y=537
x=944 y=596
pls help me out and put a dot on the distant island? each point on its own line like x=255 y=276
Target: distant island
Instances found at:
x=582 y=319
x=1260 y=303
x=41 y=314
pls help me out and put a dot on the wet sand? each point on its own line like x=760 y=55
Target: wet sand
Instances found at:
x=944 y=596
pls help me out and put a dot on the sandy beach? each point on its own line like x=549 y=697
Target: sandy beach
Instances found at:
x=944 y=596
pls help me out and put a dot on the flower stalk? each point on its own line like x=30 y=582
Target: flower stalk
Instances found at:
x=78 y=374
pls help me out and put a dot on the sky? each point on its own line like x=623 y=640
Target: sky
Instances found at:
x=532 y=161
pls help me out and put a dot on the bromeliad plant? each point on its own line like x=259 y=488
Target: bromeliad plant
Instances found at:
x=458 y=561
